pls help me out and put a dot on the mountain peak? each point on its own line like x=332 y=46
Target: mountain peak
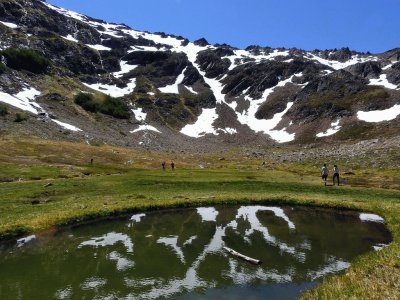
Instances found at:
x=155 y=88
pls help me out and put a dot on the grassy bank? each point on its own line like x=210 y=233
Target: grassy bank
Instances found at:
x=50 y=184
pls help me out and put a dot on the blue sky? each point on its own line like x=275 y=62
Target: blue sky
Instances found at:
x=363 y=25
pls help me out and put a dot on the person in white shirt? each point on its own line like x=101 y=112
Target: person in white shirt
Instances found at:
x=324 y=173
x=335 y=174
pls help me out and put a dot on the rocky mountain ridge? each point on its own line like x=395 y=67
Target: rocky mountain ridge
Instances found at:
x=89 y=80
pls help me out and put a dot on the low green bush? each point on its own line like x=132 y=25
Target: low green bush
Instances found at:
x=25 y=59
x=3 y=110
x=20 y=117
x=143 y=85
x=86 y=101
x=108 y=105
x=114 y=107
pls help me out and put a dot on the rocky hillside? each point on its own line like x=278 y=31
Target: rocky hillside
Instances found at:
x=64 y=75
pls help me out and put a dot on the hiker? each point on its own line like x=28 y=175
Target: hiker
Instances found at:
x=324 y=173
x=163 y=165
x=335 y=174
x=172 y=166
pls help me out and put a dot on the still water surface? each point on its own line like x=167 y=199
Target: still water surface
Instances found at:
x=178 y=254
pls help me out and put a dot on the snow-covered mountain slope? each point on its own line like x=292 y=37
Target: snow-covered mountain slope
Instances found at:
x=173 y=90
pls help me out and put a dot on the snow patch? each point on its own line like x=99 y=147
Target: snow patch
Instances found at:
x=173 y=88
x=67 y=126
x=382 y=81
x=125 y=68
x=376 y=116
x=110 y=29
x=337 y=65
x=67 y=13
x=146 y=48
x=99 y=47
x=330 y=131
x=203 y=124
x=387 y=67
x=10 y=25
x=23 y=100
x=139 y=114
x=70 y=38
x=145 y=128
x=113 y=90
x=267 y=126
x=228 y=130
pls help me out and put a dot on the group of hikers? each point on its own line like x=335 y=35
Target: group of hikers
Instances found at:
x=163 y=164
x=325 y=173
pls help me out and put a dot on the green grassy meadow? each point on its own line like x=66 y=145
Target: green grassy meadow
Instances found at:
x=48 y=184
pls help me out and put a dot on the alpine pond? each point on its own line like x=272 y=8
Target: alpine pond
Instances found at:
x=179 y=254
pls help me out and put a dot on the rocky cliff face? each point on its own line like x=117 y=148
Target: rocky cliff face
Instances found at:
x=175 y=92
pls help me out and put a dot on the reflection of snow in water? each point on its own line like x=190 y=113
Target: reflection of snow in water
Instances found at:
x=240 y=276
x=192 y=279
x=249 y=213
x=109 y=239
x=246 y=217
x=122 y=262
x=207 y=213
x=334 y=265
x=371 y=218
x=93 y=283
x=23 y=241
x=173 y=243
x=380 y=247
x=137 y=218
x=64 y=293
x=190 y=240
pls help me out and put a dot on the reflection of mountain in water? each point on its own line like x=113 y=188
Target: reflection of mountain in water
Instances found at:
x=199 y=238
x=167 y=254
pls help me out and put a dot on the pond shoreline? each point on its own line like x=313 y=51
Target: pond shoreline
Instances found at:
x=83 y=220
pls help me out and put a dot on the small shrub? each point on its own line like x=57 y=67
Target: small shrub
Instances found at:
x=26 y=59
x=108 y=105
x=86 y=101
x=3 y=111
x=114 y=107
x=20 y=117
x=143 y=85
